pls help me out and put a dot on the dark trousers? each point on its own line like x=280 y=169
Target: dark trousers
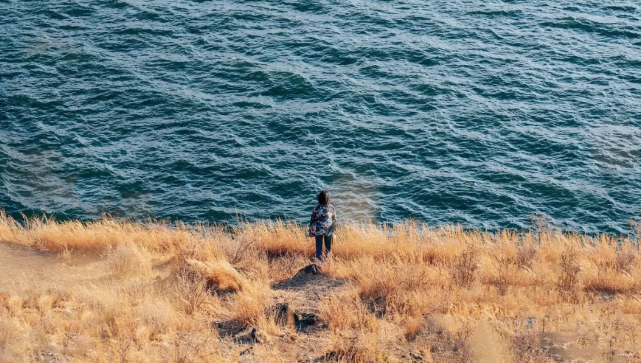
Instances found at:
x=319 y=246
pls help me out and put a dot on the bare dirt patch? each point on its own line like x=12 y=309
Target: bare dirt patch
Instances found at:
x=25 y=270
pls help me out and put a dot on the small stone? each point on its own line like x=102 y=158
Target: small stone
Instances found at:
x=251 y=337
x=255 y=336
x=303 y=320
x=283 y=315
x=313 y=269
x=416 y=356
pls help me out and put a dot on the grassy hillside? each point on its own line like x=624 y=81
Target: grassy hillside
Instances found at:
x=146 y=292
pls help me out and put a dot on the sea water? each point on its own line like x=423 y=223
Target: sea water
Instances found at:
x=460 y=111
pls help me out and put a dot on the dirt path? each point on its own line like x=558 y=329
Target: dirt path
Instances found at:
x=305 y=290
x=296 y=303
x=24 y=270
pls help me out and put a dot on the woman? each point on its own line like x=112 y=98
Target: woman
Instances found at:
x=322 y=224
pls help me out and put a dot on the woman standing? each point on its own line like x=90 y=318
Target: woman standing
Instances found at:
x=322 y=224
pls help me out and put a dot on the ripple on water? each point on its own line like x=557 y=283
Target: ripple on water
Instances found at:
x=445 y=111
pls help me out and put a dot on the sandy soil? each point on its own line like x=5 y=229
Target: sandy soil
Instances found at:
x=24 y=270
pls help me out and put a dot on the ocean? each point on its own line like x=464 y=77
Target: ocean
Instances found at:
x=460 y=111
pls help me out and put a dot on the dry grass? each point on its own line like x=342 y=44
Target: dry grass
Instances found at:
x=128 y=260
x=405 y=292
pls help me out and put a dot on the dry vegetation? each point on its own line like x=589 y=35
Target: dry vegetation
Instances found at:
x=182 y=293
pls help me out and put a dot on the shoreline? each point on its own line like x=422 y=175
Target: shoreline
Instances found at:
x=633 y=231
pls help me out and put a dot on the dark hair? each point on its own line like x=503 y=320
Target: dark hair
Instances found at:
x=323 y=197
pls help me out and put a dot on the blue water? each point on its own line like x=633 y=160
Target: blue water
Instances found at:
x=458 y=111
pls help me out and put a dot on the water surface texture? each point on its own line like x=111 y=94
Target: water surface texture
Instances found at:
x=472 y=112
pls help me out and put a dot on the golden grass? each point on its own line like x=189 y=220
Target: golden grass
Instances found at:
x=445 y=294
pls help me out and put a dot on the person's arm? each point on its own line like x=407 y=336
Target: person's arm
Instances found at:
x=311 y=222
x=333 y=219
x=313 y=218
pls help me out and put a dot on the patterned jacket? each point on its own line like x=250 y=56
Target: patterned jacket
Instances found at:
x=323 y=220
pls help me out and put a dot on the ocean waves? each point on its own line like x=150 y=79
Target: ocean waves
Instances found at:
x=448 y=112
